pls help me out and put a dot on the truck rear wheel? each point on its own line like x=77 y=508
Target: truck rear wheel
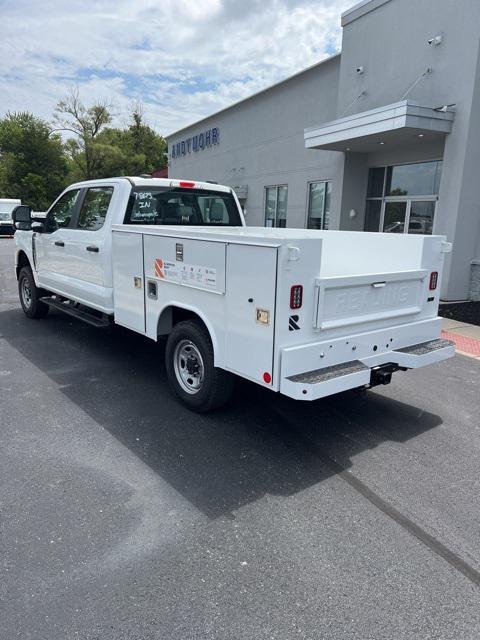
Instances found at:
x=30 y=295
x=190 y=369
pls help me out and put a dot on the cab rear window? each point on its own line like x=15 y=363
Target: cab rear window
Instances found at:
x=177 y=206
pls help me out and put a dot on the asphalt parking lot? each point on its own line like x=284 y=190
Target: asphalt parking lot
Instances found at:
x=124 y=516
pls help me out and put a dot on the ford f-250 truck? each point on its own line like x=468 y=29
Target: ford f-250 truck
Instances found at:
x=305 y=313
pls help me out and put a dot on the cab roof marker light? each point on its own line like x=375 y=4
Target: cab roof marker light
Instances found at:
x=184 y=184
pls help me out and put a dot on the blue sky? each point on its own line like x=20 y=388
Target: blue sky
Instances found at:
x=182 y=59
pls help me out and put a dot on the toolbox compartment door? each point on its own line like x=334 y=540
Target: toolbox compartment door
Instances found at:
x=128 y=280
x=251 y=286
x=351 y=300
x=197 y=264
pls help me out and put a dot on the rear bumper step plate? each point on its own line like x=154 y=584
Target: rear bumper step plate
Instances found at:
x=327 y=381
x=329 y=373
x=424 y=353
x=426 y=347
x=320 y=383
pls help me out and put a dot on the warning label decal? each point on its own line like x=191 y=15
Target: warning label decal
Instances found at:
x=188 y=274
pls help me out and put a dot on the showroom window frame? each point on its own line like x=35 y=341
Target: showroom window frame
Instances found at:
x=307 y=213
x=275 y=219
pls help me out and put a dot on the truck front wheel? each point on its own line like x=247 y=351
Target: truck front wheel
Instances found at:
x=191 y=373
x=30 y=295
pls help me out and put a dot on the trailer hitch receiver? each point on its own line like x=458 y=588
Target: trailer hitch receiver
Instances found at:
x=383 y=374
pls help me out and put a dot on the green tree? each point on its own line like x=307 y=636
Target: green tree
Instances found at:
x=138 y=148
x=143 y=140
x=85 y=123
x=33 y=164
x=99 y=151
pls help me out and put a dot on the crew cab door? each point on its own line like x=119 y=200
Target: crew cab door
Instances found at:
x=82 y=271
x=49 y=246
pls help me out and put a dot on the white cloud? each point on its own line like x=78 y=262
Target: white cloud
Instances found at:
x=183 y=58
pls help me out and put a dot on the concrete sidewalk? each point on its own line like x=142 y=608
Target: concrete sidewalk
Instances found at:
x=466 y=336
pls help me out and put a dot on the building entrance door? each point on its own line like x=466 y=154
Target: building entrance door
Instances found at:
x=409 y=215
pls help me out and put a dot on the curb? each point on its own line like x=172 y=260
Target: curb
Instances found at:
x=464 y=344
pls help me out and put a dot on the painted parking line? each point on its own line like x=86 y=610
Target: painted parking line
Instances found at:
x=464 y=344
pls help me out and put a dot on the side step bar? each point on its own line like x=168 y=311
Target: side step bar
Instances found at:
x=66 y=306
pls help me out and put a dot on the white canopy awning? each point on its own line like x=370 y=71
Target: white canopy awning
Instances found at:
x=398 y=124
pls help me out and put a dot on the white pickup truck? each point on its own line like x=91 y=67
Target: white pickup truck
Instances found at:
x=304 y=313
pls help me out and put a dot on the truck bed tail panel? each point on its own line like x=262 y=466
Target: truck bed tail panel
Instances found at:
x=351 y=300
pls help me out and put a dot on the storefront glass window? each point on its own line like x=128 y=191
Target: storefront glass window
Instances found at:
x=376 y=177
x=276 y=206
x=372 y=215
x=420 y=179
x=319 y=197
x=403 y=198
x=421 y=217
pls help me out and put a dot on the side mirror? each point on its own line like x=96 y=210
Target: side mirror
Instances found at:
x=38 y=226
x=22 y=217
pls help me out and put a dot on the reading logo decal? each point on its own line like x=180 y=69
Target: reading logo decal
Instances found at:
x=293 y=323
x=159 y=268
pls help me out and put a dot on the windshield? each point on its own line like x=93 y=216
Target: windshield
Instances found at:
x=164 y=205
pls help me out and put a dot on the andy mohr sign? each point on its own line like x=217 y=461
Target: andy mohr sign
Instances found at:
x=199 y=142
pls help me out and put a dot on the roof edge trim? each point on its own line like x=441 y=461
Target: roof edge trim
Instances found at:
x=360 y=10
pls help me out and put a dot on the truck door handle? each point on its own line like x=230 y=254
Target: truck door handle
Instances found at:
x=378 y=285
x=93 y=248
x=59 y=243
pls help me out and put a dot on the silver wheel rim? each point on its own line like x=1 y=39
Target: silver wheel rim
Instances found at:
x=188 y=366
x=26 y=293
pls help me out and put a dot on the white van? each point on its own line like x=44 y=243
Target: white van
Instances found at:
x=7 y=205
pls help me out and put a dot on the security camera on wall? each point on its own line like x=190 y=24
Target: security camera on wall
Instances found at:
x=434 y=42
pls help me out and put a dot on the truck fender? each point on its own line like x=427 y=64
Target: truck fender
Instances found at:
x=22 y=259
x=166 y=321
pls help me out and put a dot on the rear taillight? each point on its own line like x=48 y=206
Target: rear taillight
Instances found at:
x=186 y=185
x=296 y=296
x=433 y=280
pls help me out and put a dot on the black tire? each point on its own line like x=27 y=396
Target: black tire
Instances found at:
x=215 y=386
x=30 y=295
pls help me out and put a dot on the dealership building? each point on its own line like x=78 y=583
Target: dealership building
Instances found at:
x=383 y=137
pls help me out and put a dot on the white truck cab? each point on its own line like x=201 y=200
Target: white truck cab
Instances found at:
x=306 y=313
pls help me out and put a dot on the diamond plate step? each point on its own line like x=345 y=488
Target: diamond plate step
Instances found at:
x=329 y=373
x=425 y=347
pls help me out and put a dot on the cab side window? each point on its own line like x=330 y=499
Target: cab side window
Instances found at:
x=61 y=213
x=94 y=208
